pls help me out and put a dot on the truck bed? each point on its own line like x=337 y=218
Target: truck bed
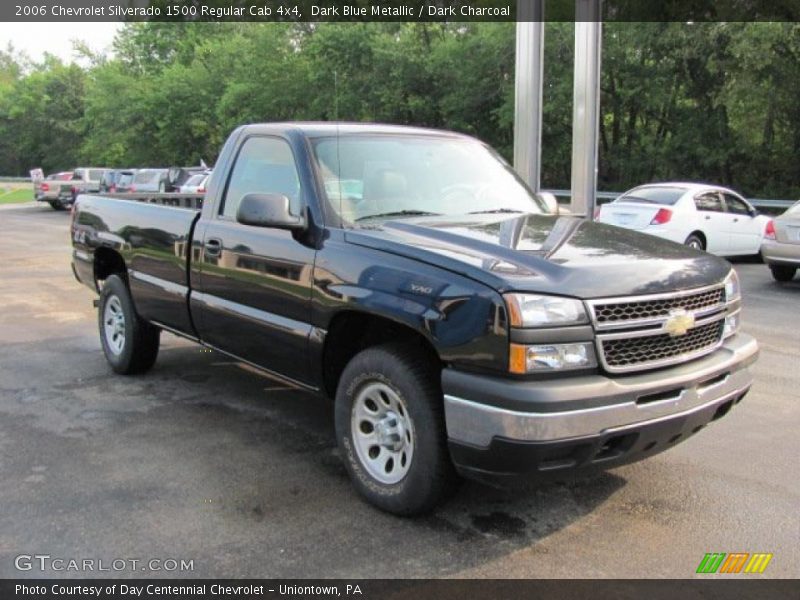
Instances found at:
x=152 y=233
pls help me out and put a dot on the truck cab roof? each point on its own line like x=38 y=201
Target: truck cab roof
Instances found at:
x=330 y=128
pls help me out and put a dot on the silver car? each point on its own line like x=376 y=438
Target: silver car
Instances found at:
x=150 y=180
x=781 y=245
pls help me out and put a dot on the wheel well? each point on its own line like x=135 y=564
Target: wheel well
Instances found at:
x=702 y=237
x=351 y=332
x=108 y=262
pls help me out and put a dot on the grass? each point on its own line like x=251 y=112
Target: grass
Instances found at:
x=15 y=196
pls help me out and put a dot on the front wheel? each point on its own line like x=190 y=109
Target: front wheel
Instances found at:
x=129 y=343
x=390 y=430
x=782 y=273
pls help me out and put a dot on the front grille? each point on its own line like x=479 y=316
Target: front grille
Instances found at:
x=609 y=313
x=652 y=350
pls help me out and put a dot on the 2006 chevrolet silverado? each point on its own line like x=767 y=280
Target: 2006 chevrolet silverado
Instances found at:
x=460 y=327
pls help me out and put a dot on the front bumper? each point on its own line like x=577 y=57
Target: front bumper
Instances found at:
x=503 y=428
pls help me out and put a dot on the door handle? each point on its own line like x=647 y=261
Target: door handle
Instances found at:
x=213 y=247
x=736 y=220
x=708 y=217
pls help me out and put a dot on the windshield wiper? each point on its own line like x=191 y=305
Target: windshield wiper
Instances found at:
x=400 y=213
x=494 y=211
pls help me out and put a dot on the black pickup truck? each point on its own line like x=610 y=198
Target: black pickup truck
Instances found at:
x=460 y=325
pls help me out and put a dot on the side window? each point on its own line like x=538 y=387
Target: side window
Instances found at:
x=264 y=165
x=735 y=205
x=709 y=201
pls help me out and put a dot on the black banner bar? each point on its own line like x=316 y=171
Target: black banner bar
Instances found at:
x=401 y=589
x=387 y=10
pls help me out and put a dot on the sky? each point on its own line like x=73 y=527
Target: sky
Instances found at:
x=56 y=38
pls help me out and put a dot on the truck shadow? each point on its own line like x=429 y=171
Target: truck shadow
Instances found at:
x=204 y=459
x=293 y=430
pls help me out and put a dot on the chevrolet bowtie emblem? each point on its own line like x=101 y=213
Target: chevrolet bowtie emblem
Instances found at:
x=678 y=323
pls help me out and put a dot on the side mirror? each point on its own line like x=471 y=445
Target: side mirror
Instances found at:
x=268 y=210
x=549 y=201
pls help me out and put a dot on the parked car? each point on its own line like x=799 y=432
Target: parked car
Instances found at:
x=48 y=189
x=85 y=180
x=196 y=184
x=703 y=216
x=125 y=182
x=150 y=180
x=178 y=176
x=111 y=180
x=781 y=246
x=458 y=324
x=61 y=193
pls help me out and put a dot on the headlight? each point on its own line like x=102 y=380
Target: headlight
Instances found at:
x=533 y=310
x=551 y=357
x=732 y=290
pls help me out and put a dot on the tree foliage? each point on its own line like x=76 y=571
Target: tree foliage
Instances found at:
x=701 y=101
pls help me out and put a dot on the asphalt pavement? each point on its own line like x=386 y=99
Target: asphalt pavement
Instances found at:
x=206 y=461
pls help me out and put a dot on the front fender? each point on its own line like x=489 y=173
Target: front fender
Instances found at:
x=464 y=320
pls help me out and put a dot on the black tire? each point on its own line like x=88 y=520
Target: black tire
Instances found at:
x=695 y=241
x=136 y=349
x=56 y=204
x=782 y=273
x=429 y=476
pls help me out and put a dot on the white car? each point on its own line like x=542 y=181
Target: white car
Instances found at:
x=196 y=184
x=703 y=216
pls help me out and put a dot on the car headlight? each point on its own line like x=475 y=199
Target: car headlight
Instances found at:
x=534 y=310
x=551 y=357
x=732 y=290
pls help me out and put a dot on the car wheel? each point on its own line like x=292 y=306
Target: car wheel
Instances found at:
x=782 y=273
x=390 y=430
x=695 y=241
x=129 y=343
x=55 y=204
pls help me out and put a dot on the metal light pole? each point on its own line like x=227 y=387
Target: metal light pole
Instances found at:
x=528 y=92
x=586 y=110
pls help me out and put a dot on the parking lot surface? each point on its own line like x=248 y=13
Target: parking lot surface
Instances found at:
x=204 y=460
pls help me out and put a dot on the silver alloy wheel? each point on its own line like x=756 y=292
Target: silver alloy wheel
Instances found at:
x=114 y=325
x=382 y=433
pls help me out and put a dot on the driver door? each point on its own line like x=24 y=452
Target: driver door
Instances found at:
x=254 y=284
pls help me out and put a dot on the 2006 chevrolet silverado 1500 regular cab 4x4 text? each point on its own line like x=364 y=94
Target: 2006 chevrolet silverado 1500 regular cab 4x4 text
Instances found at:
x=410 y=275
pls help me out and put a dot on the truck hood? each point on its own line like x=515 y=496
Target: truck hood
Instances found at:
x=549 y=254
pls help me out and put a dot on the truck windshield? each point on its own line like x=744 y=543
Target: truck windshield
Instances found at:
x=374 y=177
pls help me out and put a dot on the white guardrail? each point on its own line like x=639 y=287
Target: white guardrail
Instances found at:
x=603 y=197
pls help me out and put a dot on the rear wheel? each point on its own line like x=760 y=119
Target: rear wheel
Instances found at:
x=130 y=344
x=390 y=430
x=782 y=273
x=695 y=241
x=56 y=204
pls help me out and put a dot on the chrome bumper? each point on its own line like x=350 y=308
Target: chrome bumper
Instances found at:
x=609 y=404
